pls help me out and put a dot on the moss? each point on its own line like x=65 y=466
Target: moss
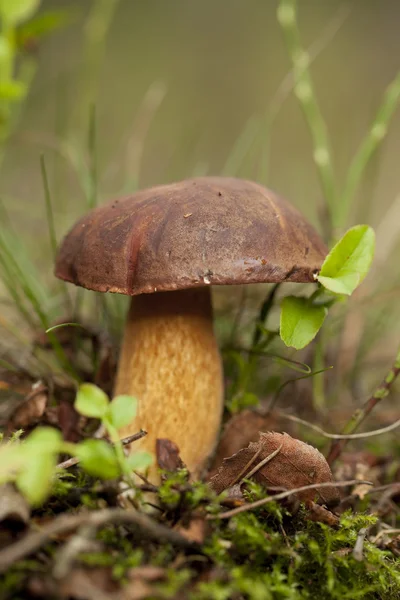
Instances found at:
x=311 y=561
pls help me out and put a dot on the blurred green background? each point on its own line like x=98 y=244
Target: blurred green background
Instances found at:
x=219 y=62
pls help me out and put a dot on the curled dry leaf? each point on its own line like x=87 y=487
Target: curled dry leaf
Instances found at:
x=295 y=465
x=240 y=430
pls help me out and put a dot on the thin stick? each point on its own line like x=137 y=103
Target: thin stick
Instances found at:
x=263 y=462
x=340 y=436
x=35 y=540
x=362 y=413
x=241 y=473
x=385 y=532
x=257 y=503
x=358 y=550
x=125 y=442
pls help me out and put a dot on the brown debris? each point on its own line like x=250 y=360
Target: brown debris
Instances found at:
x=140 y=580
x=30 y=411
x=297 y=464
x=195 y=531
x=315 y=512
x=167 y=453
x=239 y=431
x=68 y=420
x=13 y=506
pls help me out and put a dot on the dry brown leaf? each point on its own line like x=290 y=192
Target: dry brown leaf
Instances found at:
x=139 y=582
x=30 y=410
x=315 y=512
x=82 y=583
x=242 y=429
x=68 y=419
x=167 y=453
x=196 y=530
x=295 y=465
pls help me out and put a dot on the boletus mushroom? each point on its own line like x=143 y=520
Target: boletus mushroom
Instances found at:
x=165 y=247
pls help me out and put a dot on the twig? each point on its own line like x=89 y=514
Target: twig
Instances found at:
x=362 y=413
x=263 y=462
x=359 y=545
x=35 y=540
x=340 y=436
x=82 y=541
x=241 y=473
x=257 y=503
x=71 y=462
x=385 y=532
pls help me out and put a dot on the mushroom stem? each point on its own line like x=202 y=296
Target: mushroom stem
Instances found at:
x=171 y=363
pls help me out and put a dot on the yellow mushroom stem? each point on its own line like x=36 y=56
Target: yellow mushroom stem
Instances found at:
x=171 y=363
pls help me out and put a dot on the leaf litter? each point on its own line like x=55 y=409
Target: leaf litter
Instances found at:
x=81 y=551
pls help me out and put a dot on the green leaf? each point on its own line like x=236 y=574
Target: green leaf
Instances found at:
x=40 y=456
x=5 y=49
x=42 y=440
x=45 y=23
x=349 y=261
x=300 y=321
x=91 y=401
x=12 y=89
x=139 y=461
x=16 y=11
x=98 y=459
x=122 y=411
x=35 y=479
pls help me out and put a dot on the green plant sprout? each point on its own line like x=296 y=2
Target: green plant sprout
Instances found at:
x=31 y=463
x=342 y=271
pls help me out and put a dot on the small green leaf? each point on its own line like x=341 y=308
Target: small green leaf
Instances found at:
x=45 y=23
x=91 y=401
x=349 y=261
x=300 y=321
x=40 y=452
x=35 y=479
x=43 y=439
x=122 y=411
x=98 y=459
x=16 y=11
x=139 y=461
x=12 y=89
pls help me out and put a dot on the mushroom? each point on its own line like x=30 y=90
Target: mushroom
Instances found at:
x=165 y=246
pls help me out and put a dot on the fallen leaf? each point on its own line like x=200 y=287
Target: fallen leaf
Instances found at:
x=240 y=430
x=167 y=453
x=88 y=584
x=295 y=465
x=195 y=531
x=139 y=582
x=68 y=419
x=322 y=515
x=30 y=410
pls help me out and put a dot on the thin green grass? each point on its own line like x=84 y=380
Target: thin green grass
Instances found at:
x=338 y=202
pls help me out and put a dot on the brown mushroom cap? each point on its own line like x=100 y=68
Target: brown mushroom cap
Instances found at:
x=208 y=230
